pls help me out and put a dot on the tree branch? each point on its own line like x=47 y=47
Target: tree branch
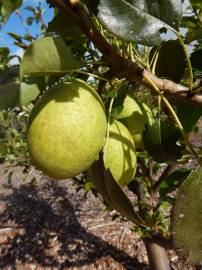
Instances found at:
x=121 y=66
x=167 y=171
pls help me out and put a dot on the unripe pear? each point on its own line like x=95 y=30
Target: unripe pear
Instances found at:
x=120 y=154
x=132 y=116
x=135 y=117
x=66 y=129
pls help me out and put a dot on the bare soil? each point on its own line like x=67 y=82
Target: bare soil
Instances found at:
x=51 y=225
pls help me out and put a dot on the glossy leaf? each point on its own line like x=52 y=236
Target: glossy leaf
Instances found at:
x=171 y=61
x=111 y=191
x=139 y=21
x=160 y=141
x=48 y=56
x=120 y=200
x=96 y=173
x=187 y=219
x=188 y=115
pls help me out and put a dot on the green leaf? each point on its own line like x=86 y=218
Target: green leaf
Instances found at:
x=9 y=94
x=188 y=22
x=120 y=200
x=186 y=218
x=160 y=141
x=196 y=59
x=8 y=6
x=111 y=191
x=173 y=181
x=96 y=173
x=48 y=56
x=8 y=74
x=30 y=8
x=196 y=4
x=30 y=20
x=140 y=21
x=171 y=62
x=15 y=36
x=189 y=115
x=14 y=93
x=30 y=88
x=193 y=34
x=64 y=26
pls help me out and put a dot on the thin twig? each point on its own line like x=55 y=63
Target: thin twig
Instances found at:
x=167 y=171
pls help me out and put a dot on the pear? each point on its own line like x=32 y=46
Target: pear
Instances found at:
x=66 y=129
x=120 y=154
x=136 y=116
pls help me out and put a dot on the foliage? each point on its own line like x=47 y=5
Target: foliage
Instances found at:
x=116 y=47
x=13 y=146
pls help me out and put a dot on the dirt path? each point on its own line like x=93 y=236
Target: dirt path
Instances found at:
x=51 y=226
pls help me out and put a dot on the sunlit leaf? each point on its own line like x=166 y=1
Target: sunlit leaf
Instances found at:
x=139 y=21
x=187 y=218
x=48 y=56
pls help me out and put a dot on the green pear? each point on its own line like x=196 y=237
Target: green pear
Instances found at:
x=132 y=116
x=66 y=129
x=137 y=137
x=135 y=117
x=120 y=154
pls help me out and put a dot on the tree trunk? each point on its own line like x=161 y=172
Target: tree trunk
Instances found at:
x=158 y=259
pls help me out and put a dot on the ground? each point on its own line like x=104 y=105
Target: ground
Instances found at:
x=51 y=225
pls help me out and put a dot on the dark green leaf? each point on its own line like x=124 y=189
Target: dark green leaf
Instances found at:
x=111 y=191
x=48 y=56
x=196 y=4
x=64 y=26
x=8 y=6
x=30 y=20
x=189 y=22
x=193 y=34
x=30 y=8
x=187 y=219
x=171 y=62
x=120 y=200
x=96 y=173
x=9 y=95
x=15 y=36
x=9 y=74
x=188 y=115
x=196 y=59
x=173 y=181
x=139 y=21
x=160 y=141
x=14 y=93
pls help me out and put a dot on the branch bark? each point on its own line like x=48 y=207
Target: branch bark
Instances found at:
x=121 y=66
x=158 y=259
